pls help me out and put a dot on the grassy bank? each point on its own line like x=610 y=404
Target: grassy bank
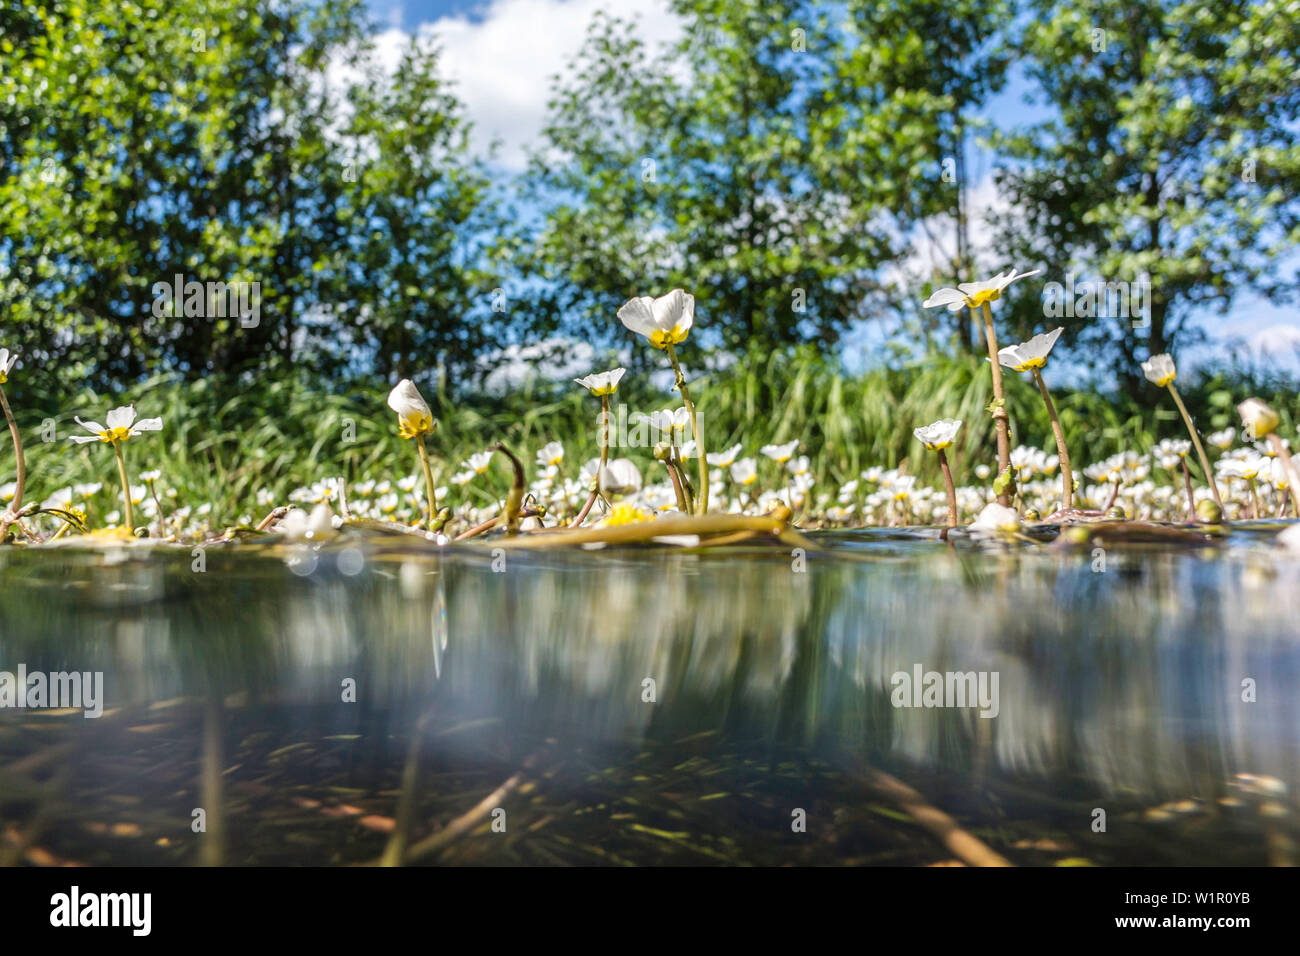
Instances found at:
x=222 y=442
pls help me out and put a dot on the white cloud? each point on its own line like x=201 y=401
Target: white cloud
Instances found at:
x=1276 y=341
x=502 y=61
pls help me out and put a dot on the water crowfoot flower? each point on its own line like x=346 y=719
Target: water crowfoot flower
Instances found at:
x=976 y=296
x=996 y=520
x=665 y=322
x=414 y=421
x=937 y=437
x=1030 y=357
x=1161 y=371
x=780 y=453
x=121 y=427
x=1261 y=422
x=7 y=361
x=602 y=385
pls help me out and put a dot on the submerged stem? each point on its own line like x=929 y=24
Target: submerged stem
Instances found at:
x=1067 y=477
x=1000 y=421
x=1196 y=440
x=702 y=494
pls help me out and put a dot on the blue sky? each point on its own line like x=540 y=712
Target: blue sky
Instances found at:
x=501 y=54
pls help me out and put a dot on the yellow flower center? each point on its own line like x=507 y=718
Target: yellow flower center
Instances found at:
x=662 y=338
x=115 y=434
x=408 y=426
x=626 y=514
x=982 y=296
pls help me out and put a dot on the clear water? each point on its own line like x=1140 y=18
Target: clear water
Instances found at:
x=1119 y=689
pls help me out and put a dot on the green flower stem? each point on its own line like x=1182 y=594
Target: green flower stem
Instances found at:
x=1000 y=421
x=20 y=479
x=1067 y=477
x=429 y=491
x=153 y=493
x=702 y=494
x=604 y=437
x=1191 y=496
x=1196 y=440
x=676 y=479
x=952 y=491
x=600 y=471
x=126 y=485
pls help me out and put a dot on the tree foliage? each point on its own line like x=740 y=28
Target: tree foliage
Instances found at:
x=1172 y=152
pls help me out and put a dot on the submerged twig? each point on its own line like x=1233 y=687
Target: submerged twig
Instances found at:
x=438 y=842
x=966 y=846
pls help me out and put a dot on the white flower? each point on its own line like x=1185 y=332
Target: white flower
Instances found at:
x=995 y=519
x=602 y=383
x=150 y=476
x=1246 y=468
x=665 y=321
x=938 y=435
x=551 y=454
x=298 y=524
x=120 y=426
x=1031 y=354
x=413 y=414
x=1258 y=418
x=744 y=472
x=7 y=360
x=681 y=421
x=1278 y=473
x=478 y=463
x=723 y=459
x=1160 y=369
x=780 y=453
x=799 y=466
x=1221 y=440
x=974 y=294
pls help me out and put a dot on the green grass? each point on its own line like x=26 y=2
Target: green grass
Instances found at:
x=220 y=442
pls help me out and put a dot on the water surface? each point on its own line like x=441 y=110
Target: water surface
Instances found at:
x=647 y=705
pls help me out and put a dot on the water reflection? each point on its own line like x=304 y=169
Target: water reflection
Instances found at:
x=1119 y=688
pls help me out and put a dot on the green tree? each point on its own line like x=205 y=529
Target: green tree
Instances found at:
x=773 y=162
x=948 y=57
x=213 y=140
x=1172 y=153
x=417 y=272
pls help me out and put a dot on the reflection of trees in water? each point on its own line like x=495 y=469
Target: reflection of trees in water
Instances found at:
x=1134 y=688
